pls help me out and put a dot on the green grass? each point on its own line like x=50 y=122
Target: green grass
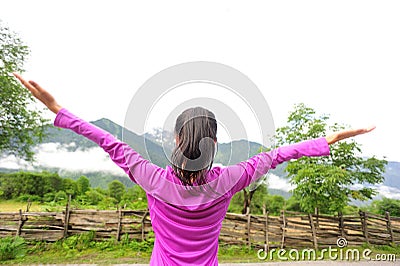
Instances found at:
x=81 y=249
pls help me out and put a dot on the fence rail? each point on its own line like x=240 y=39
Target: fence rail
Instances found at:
x=290 y=229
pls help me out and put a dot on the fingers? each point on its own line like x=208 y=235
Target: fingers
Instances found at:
x=27 y=85
x=37 y=86
x=369 y=129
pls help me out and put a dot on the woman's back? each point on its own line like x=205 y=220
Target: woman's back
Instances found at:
x=186 y=235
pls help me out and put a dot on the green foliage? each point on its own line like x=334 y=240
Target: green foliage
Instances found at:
x=293 y=204
x=83 y=184
x=84 y=241
x=326 y=182
x=116 y=189
x=12 y=248
x=350 y=210
x=274 y=204
x=94 y=197
x=134 y=198
x=258 y=200
x=53 y=190
x=18 y=184
x=70 y=187
x=78 y=242
x=386 y=205
x=61 y=196
x=20 y=125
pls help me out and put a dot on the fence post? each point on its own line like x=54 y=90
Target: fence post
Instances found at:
x=266 y=213
x=316 y=213
x=142 y=223
x=364 y=218
x=21 y=222
x=67 y=216
x=314 y=233
x=248 y=227
x=119 y=228
x=28 y=205
x=283 y=228
x=389 y=227
x=341 y=224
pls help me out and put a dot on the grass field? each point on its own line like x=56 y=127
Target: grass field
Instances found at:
x=82 y=249
x=14 y=206
x=53 y=254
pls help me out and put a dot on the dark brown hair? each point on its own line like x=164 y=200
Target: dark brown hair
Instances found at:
x=196 y=134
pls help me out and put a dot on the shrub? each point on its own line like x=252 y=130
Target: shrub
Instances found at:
x=12 y=248
x=26 y=197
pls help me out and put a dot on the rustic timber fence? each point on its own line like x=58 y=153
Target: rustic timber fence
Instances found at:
x=290 y=229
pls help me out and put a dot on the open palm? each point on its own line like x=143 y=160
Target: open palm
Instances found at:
x=40 y=94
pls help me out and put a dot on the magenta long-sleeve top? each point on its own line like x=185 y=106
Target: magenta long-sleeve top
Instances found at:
x=187 y=221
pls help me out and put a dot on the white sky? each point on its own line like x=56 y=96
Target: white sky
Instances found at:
x=338 y=57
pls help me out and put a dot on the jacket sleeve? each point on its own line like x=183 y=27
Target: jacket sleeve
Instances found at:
x=249 y=171
x=138 y=169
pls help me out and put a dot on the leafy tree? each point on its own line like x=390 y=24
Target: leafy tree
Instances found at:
x=274 y=204
x=386 y=205
x=93 y=196
x=83 y=184
x=60 y=196
x=20 y=125
x=116 y=189
x=17 y=184
x=252 y=197
x=135 y=198
x=70 y=187
x=293 y=204
x=326 y=182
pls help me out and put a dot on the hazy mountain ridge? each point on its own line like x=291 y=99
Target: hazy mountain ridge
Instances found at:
x=150 y=146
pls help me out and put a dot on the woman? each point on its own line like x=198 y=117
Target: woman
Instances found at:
x=188 y=200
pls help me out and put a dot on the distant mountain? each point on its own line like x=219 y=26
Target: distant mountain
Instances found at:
x=392 y=175
x=150 y=146
x=144 y=146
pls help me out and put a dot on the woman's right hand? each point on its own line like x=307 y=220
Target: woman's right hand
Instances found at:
x=40 y=94
x=335 y=137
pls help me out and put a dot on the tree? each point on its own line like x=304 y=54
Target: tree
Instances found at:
x=386 y=205
x=274 y=204
x=70 y=187
x=116 y=189
x=83 y=184
x=327 y=183
x=20 y=125
x=253 y=197
x=18 y=184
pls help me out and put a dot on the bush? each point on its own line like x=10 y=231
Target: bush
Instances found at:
x=78 y=242
x=61 y=196
x=94 y=197
x=12 y=248
x=26 y=197
x=48 y=197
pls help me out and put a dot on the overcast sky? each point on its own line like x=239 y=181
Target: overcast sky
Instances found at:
x=338 y=57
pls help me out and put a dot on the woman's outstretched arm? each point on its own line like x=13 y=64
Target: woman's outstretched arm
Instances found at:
x=260 y=164
x=138 y=169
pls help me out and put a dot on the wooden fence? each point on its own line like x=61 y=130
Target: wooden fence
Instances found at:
x=290 y=229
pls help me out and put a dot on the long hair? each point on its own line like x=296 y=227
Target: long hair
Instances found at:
x=196 y=135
